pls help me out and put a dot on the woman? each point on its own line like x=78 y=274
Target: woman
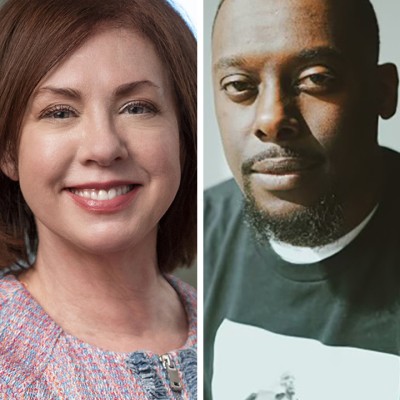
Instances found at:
x=98 y=182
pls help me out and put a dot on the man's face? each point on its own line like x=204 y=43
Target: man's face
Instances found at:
x=294 y=104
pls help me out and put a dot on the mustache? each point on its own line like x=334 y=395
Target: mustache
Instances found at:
x=278 y=152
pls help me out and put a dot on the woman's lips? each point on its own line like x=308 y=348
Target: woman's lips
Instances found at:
x=103 y=198
x=102 y=194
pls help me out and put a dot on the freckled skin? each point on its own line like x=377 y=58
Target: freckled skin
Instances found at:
x=287 y=76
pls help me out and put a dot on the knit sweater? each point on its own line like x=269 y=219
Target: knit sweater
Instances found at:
x=38 y=360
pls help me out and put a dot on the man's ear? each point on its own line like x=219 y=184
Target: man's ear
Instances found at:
x=388 y=81
x=9 y=169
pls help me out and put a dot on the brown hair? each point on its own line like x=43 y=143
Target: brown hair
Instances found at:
x=35 y=35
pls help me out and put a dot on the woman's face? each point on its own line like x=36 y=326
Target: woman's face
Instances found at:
x=99 y=153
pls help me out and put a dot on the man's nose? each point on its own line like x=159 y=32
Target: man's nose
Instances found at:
x=275 y=120
x=101 y=143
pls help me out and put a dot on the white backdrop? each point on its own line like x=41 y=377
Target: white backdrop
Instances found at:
x=189 y=10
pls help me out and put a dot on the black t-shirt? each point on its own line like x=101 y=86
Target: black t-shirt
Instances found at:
x=328 y=330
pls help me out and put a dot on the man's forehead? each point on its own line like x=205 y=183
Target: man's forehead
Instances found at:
x=270 y=25
x=266 y=13
x=239 y=6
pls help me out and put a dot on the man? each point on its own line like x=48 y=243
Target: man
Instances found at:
x=302 y=252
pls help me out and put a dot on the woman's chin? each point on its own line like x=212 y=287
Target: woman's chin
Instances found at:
x=114 y=244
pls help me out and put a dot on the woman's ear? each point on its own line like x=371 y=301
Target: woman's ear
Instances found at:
x=9 y=169
x=388 y=81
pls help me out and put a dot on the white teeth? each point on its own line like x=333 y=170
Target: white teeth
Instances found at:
x=102 y=194
x=112 y=193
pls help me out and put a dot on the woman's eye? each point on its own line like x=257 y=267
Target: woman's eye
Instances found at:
x=139 y=107
x=239 y=88
x=59 y=112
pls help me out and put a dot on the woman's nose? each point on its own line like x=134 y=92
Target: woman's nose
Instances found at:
x=101 y=143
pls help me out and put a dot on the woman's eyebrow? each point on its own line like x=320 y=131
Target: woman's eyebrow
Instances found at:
x=131 y=87
x=61 y=91
x=74 y=94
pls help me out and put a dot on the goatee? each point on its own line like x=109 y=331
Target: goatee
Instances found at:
x=312 y=226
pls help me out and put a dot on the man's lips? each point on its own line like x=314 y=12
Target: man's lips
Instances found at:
x=284 y=165
x=277 y=160
x=283 y=169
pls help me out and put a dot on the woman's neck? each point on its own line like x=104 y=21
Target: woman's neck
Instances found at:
x=118 y=302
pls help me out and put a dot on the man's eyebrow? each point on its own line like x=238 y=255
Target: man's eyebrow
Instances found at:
x=305 y=54
x=229 y=62
x=319 y=52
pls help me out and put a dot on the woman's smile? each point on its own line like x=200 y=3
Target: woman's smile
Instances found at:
x=101 y=194
x=105 y=200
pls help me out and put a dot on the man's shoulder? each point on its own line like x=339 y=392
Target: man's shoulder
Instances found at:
x=222 y=199
x=391 y=173
x=226 y=189
x=227 y=237
x=222 y=208
x=391 y=156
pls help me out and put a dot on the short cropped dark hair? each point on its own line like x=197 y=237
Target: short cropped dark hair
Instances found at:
x=362 y=16
x=35 y=36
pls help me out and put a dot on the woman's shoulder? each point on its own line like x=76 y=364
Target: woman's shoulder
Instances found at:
x=186 y=292
x=20 y=314
x=27 y=336
x=188 y=298
x=9 y=287
x=10 y=328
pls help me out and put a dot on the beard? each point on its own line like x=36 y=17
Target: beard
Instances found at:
x=312 y=226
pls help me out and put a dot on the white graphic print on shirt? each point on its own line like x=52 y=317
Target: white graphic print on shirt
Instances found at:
x=253 y=363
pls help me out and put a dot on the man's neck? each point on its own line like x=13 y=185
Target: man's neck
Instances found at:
x=309 y=255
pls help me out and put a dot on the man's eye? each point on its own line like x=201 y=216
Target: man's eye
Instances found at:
x=59 y=112
x=238 y=86
x=139 y=107
x=239 y=89
x=318 y=82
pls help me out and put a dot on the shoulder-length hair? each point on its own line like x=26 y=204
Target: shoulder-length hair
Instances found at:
x=35 y=36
